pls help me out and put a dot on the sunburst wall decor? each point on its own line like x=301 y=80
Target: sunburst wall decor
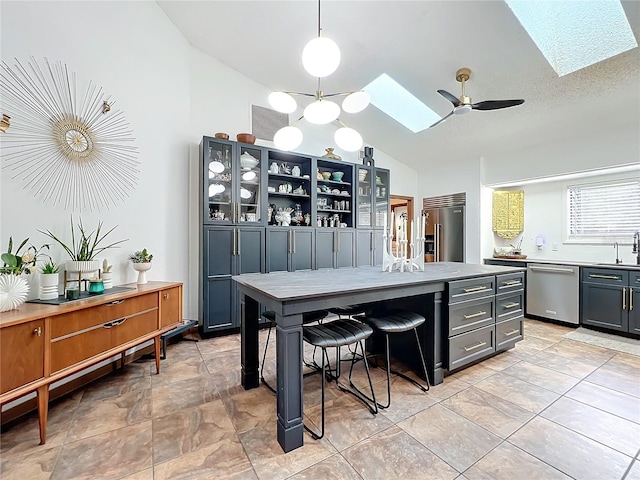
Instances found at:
x=68 y=152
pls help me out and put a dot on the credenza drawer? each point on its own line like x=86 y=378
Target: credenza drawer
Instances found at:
x=509 y=332
x=509 y=306
x=462 y=290
x=80 y=320
x=509 y=282
x=467 y=316
x=471 y=346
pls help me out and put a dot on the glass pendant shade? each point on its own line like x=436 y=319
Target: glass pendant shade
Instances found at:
x=321 y=112
x=282 y=102
x=356 y=102
x=288 y=138
x=321 y=57
x=348 y=139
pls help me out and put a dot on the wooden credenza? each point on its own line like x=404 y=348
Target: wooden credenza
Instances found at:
x=40 y=344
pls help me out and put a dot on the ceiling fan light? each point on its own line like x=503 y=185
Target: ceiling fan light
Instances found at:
x=321 y=57
x=356 y=102
x=348 y=139
x=287 y=138
x=282 y=102
x=321 y=112
x=462 y=109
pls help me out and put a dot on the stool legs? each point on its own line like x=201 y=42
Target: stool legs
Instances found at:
x=264 y=358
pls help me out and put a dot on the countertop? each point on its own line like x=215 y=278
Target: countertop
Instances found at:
x=621 y=266
x=288 y=286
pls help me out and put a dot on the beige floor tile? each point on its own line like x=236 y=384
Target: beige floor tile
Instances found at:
x=586 y=353
x=568 y=366
x=35 y=465
x=146 y=474
x=619 y=374
x=170 y=397
x=333 y=468
x=446 y=389
x=603 y=427
x=134 y=376
x=524 y=394
x=542 y=377
x=568 y=451
x=611 y=401
x=225 y=370
x=406 y=399
x=181 y=369
x=393 y=454
x=507 y=462
x=502 y=360
x=251 y=408
x=634 y=472
x=475 y=373
x=456 y=440
x=493 y=413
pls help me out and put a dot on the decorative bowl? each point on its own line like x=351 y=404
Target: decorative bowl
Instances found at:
x=337 y=176
x=246 y=138
x=223 y=136
x=326 y=175
x=248 y=161
x=362 y=174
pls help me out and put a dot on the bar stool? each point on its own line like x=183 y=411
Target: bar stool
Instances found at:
x=396 y=322
x=269 y=315
x=336 y=334
x=347 y=310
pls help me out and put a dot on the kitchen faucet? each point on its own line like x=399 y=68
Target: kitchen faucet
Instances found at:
x=636 y=246
x=618 y=259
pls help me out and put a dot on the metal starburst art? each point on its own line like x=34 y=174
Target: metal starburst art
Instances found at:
x=68 y=152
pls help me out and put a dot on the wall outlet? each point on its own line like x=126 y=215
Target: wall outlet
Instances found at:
x=554 y=247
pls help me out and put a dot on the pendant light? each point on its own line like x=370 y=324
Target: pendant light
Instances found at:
x=321 y=56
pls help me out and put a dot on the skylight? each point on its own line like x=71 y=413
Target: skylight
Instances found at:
x=400 y=104
x=575 y=34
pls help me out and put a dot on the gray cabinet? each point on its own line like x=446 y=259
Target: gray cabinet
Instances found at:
x=606 y=298
x=368 y=247
x=289 y=249
x=634 y=302
x=335 y=247
x=372 y=198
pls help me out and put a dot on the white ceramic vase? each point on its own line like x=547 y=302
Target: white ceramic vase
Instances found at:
x=82 y=266
x=107 y=279
x=13 y=291
x=49 y=286
x=142 y=268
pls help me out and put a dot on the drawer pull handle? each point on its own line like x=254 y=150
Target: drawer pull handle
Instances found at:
x=624 y=298
x=608 y=277
x=510 y=283
x=165 y=296
x=475 y=289
x=479 y=314
x=115 y=323
x=630 y=299
x=512 y=332
x=511 y=305
x=115 y=302
x=37 y=331
x=478 y=345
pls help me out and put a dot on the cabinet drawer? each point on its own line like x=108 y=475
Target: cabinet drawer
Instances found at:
x=509 y=282
x=134 y=327
x=469 y=315
x=607 y=276
x=21 y=354
x=80 y=320
x=170 y=307
x=462 y=290
x=509 y=306
x=509 y=332
x=634 y=279
x=471 y=346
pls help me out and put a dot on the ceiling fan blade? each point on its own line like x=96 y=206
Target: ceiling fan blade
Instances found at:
x=449 y=96
x=496 y=104
x=442 y=119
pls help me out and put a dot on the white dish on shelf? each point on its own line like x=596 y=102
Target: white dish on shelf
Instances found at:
x=244 y=193
x=248 y=161
x=215 y=167
x=271 y=189
x=344 y=192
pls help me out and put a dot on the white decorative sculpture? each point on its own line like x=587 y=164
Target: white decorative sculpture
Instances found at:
x=401 y=261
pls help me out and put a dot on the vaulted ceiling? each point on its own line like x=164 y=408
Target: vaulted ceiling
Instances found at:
x=421 y=44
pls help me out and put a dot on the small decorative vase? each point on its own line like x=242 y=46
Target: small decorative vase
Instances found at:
x=13 y=291
x=107 y=279
x=142 y=268
x=48 y=286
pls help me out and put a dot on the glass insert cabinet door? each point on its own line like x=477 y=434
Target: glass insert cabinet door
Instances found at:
x=364 y=195
x=381 y=196
x=219 y=169
x=249 y=168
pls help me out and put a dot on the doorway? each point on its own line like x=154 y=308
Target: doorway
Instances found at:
x=401 y=205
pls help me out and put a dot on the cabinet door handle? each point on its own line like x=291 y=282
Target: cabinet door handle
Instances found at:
x=239 y=242
x=630 y=299
x=165 y=296
x=475 y=315
x=115 y=302
x=373 y=241
x=624 y=298
x=474 y=289
x=289 y=247
x=512 y=332
x=338 y=236
x=293 y=235
x=234 y=241
x=511 y=305
x=478 y=345
x=608 y=277
x=37 y=331
x=511 y=283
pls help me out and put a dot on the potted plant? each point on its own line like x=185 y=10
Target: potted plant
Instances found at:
x=86 y=248
x=49 y=280
x=141 y=263
x=13 y=286
x=107 y=274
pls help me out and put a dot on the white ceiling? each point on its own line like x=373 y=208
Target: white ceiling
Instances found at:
x=421 y=44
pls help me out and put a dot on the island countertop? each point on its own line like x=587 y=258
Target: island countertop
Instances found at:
x=573 y=263
x=289 y=286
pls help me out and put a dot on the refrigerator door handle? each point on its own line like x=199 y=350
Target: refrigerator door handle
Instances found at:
x=436 y=242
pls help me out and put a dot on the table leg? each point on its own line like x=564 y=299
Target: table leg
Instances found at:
x=156 y=351
x=289 y=353
x=249 y=343
x=43 y=411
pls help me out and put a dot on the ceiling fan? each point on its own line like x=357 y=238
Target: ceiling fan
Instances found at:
x=463 y=104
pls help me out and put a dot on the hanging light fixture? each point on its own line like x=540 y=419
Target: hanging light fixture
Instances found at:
x=320 y=57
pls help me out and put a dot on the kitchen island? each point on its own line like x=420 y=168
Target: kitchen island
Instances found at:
x=430 y=293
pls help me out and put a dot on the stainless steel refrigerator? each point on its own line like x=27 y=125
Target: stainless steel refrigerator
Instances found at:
x=444 y=234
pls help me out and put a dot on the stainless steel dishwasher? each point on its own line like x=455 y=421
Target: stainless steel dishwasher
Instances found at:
x=553 y=292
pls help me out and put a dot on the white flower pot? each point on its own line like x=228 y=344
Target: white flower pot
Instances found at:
x=142 y=268
x=82 y=266
x=107 y=279
x=48 y=286
x=13 y=291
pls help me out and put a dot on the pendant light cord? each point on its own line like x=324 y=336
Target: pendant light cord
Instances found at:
x=319 y=29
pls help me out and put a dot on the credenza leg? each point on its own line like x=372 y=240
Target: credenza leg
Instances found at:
x=43 y=410
x=156 y=349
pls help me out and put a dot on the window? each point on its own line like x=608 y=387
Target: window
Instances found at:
x=602 y=212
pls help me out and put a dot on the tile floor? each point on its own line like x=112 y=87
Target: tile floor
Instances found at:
x=549 y=408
